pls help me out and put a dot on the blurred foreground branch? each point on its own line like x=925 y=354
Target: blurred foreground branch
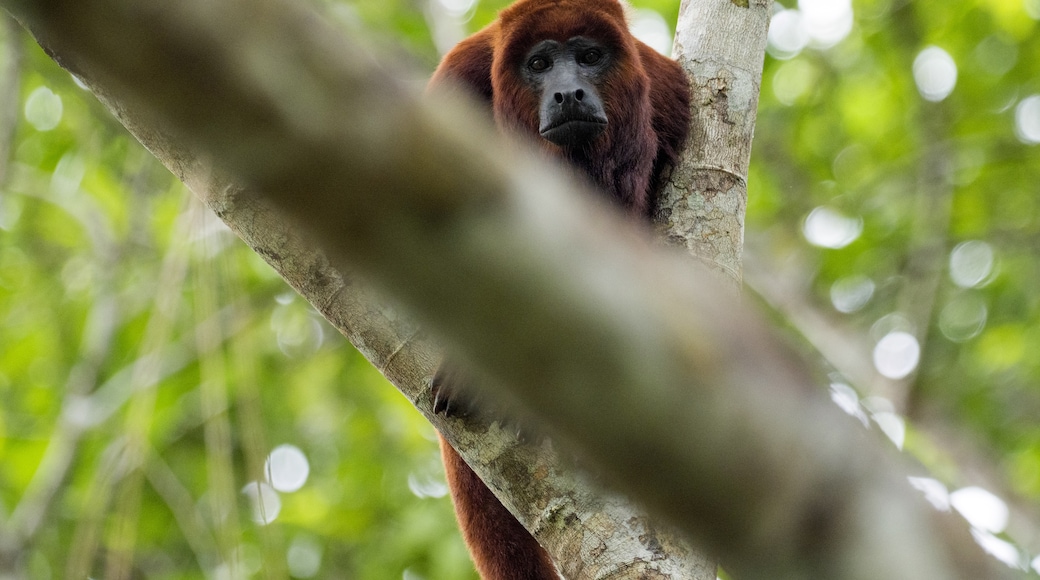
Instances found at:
x=631 y=355
x=10 y=88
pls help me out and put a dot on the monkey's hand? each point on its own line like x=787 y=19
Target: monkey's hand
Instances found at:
x=454 y=397
x=451 y=395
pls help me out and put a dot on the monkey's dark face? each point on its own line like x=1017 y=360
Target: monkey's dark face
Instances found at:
x=566 y=75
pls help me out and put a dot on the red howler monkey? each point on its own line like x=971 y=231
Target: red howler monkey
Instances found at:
x=570 y=73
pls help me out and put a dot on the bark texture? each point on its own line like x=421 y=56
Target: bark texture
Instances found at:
x=721 y=46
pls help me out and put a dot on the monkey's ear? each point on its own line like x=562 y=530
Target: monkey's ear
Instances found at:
x=469 y=64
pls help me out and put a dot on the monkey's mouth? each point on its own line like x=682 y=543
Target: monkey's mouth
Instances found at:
x=571 y=132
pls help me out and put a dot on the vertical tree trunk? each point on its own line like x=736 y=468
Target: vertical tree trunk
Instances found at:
x=721 y=45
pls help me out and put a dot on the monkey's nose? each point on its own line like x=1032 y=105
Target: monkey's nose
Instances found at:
x=576 y=95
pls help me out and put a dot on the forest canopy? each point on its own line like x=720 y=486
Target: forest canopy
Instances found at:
x=892 y=230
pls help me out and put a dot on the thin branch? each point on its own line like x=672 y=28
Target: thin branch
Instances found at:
x=210 y=335
x=185 y=511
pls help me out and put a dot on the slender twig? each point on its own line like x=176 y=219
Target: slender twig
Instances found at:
x=209 y=336
x=185 y=510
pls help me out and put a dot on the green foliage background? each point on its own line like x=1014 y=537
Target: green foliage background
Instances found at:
x=111 y=278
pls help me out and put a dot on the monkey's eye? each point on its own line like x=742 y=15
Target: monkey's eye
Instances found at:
x=591 y=56
x=538 y=64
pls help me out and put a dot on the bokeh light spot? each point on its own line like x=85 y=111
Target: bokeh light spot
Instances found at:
x=847 y=399
x=458 y=8
x=827 y=22
x=1002 y=550
x=43 y=109
x=828 y=228
x=963 y=317
x=299 y=333
x=981 y=508
x=935 y=73
x=793 y=80
x=896 y=355
x=971 y=264
x=851 y=293
x=287 y=468
x=934 y=491
x=788 y=34
x=264 y=501
x=892 y=426
x=1027 y=120
x=304 y=558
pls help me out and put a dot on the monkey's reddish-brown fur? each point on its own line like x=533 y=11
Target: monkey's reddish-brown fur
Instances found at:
x=647 y=104
x=502 y=549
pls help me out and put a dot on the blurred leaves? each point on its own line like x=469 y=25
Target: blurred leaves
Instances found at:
x=848 y=129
